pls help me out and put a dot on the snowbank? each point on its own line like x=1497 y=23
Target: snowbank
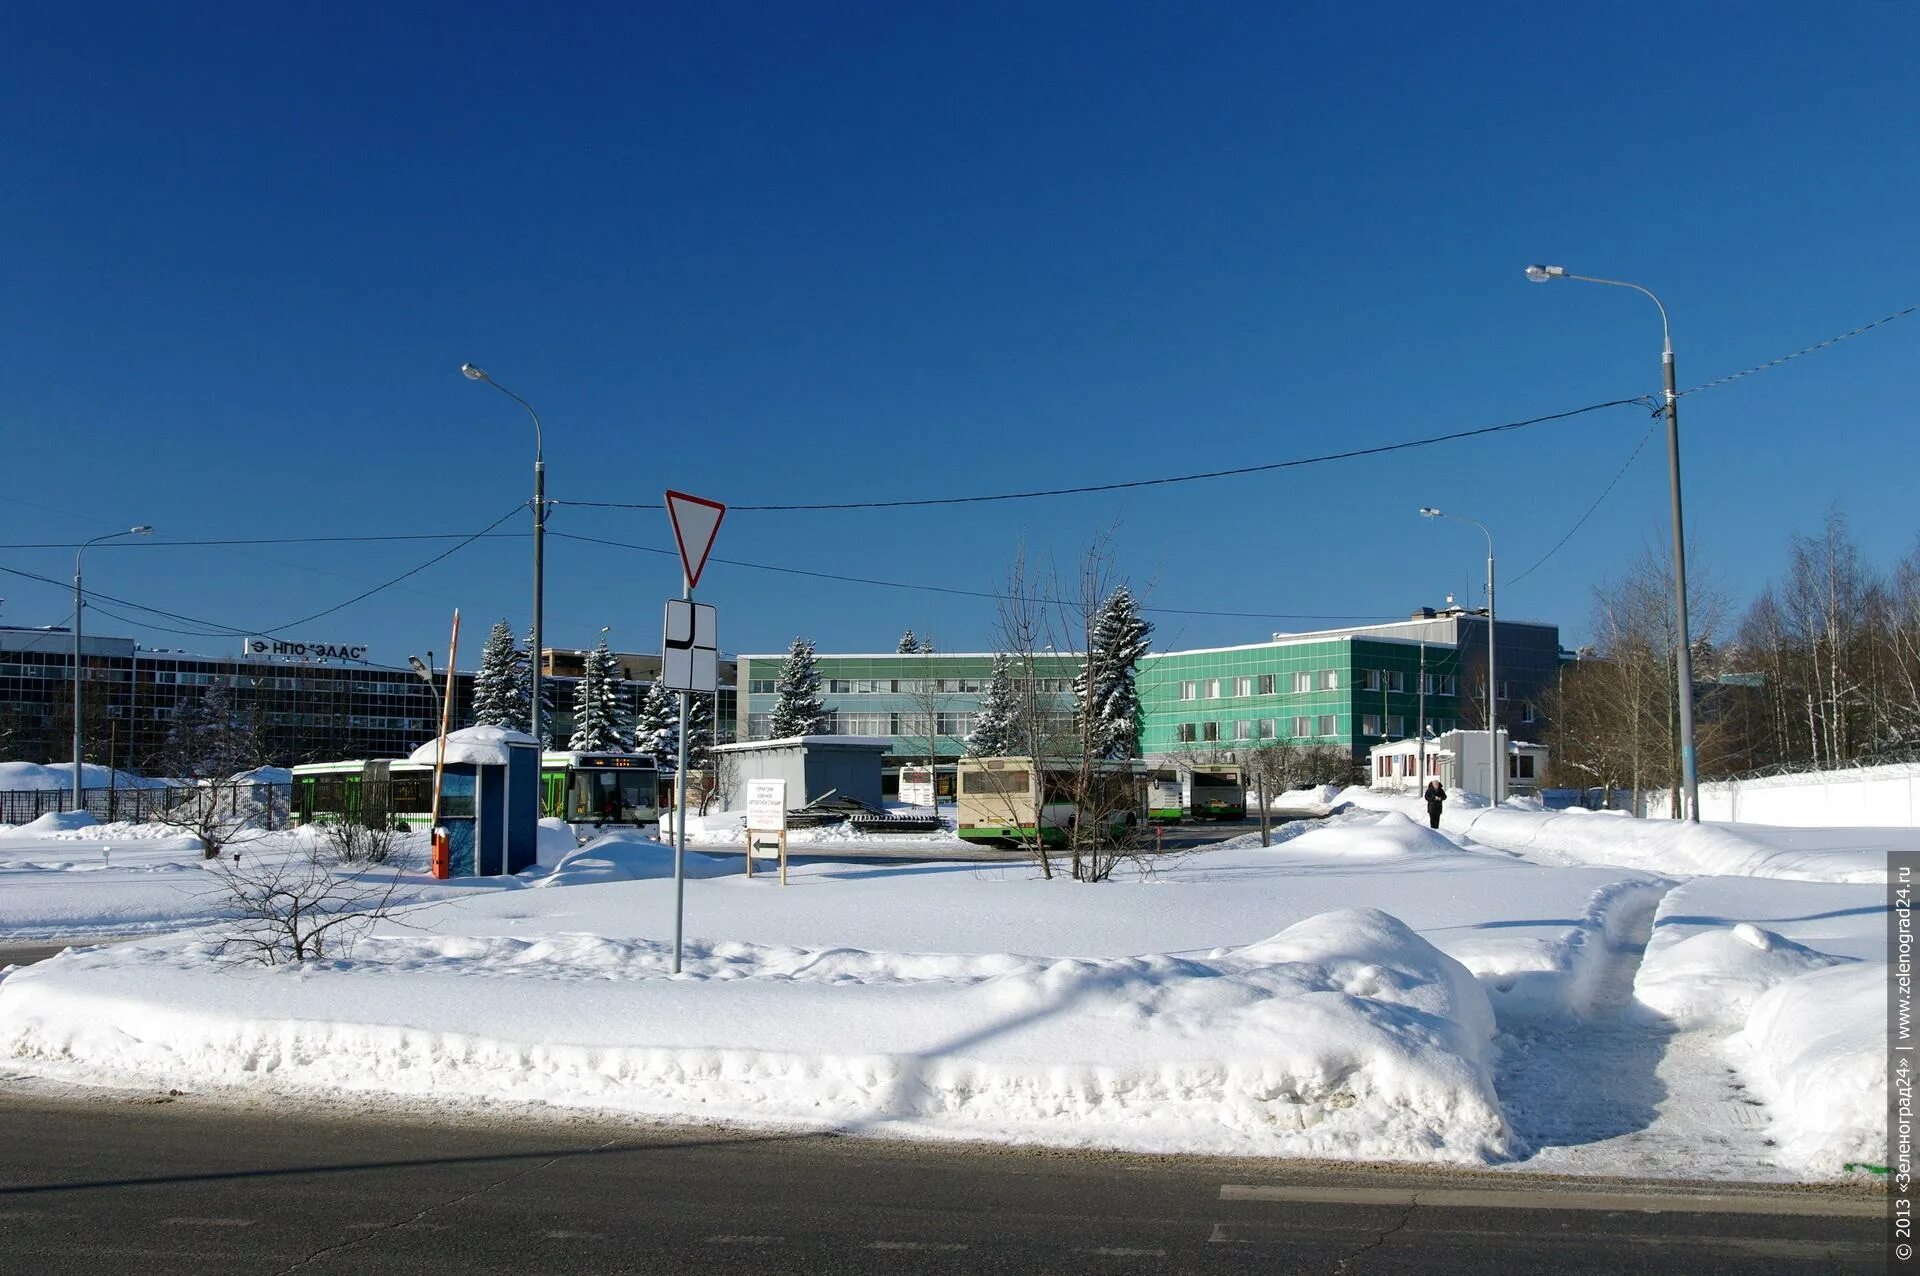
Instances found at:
x=1878 y=796
x=59 y=775
x=1714 y=977
x=1346 y=1035
x=482 y=746
x=1671 y=847
x=54 y=822
x=1819 y=1057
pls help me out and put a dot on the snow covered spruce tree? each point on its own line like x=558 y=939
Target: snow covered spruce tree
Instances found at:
x=656 y=729
x=995 y=732
x=596 y=705
x=1104 y=691
x=699 y=732
x=499 y=690
x=798 y=710
x=909 y=645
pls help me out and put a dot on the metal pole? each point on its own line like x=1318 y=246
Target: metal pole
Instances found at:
x=78 y=744
x=1683 y=656
x=1494 y=751
x=1689 y=763
x=539 y=593
x=680 y=812
x=1420 y=724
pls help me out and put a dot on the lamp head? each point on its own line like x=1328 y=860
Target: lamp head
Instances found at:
x=420 y=667
x=141 y=530
x=1540 y=274
x=1427 y=511
x=472 y=373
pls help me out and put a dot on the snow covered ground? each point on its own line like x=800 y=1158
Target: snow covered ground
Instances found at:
x=1505 y=991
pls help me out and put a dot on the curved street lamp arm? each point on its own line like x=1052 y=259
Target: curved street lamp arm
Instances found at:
x=1666 y=328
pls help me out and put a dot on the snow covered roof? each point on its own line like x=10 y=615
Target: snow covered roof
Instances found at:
x=480 y=746
x=853 y=741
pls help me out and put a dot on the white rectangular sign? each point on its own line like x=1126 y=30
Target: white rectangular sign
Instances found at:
x=766 y=805
x=690 y=648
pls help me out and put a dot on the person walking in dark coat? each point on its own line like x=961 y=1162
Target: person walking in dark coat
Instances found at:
x=1436 y=798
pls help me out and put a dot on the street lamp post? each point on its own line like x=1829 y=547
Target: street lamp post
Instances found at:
x=1683 y=656
x=1493 y=685
x=79 y=602
x=472 y=373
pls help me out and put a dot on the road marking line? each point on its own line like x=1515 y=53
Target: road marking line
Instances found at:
x=1225 y=1235
x=745 y=1240
x=923 y=1245
x=1122 y=1251
x=1545 y=1199
x=208 y=1222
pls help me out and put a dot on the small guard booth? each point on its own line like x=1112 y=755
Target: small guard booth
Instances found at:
x=489 y=799
x=812 y=765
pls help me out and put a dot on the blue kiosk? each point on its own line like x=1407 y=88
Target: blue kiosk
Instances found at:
x=489 y=799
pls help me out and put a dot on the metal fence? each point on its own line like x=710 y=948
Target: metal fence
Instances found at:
x=137 y=806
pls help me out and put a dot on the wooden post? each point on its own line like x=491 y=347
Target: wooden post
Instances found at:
x=783 y=855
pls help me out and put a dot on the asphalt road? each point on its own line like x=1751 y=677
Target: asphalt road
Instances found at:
x=157 y=1184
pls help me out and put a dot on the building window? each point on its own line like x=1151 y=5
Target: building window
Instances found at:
x=1520 y=766
x=1504 y=687
x=1184 y=733
x=1213 y=688
x=759 y=726
x=1370 y=724
x=1302 y=682
x=1327 y=680
x=866 y=723
x=1209 y=731
x=1243 y=730
x=1302 y=728
x=1527 y=713
x=1189 y=691
x=1396 y=725
x=839 y=686
x=1386 y=680
x=1441 y=684
x=955 y=724
x=1266 y=684
x=1266 y=729
x=1243 y=686
x=1328 y=725
x=760 y=686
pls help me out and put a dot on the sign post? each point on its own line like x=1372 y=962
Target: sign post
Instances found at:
x=767 y=813
x=696 y=521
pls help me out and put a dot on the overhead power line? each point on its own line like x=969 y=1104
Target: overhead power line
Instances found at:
x=948 y=589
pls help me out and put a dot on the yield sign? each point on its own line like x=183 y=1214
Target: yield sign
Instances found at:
x=696 y=521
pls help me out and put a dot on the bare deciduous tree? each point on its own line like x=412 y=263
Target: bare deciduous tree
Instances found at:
x=300 y=907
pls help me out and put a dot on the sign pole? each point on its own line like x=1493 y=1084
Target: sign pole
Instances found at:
x=680 y=810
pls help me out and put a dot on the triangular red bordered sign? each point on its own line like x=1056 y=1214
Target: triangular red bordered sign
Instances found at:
x=696 y=521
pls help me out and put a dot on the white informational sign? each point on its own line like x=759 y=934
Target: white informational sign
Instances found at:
x=916 y=786
x=766 y=805
x=690 y=648
x=696 y=521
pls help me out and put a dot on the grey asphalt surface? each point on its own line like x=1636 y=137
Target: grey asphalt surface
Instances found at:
x=157 y=1184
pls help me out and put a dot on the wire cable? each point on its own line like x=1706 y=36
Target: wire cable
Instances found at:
x=1785 y=358
x=1379 y=449
x=948 y=589
x=1620 y=474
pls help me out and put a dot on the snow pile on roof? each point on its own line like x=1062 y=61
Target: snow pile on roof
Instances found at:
x=59 y=775
x=1715 y=977
x=1819 y=1058
x=1345 y=1035
x=479 y=746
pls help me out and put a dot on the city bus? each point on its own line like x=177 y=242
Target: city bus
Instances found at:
x=1164 y=795
x=591 y=790
x=1217 y=791
x=1019 y=800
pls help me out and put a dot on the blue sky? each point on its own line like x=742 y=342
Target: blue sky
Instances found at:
x=814 y=253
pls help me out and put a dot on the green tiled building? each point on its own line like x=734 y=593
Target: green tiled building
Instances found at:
x=1352 y=688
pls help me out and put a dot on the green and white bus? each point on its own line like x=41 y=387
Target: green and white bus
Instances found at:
x=1217 y=791
x=587 y=790
x=1164 y=795
x=1019 y=800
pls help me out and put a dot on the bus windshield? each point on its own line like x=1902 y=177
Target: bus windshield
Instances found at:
x=612 y=797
